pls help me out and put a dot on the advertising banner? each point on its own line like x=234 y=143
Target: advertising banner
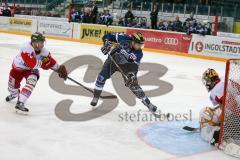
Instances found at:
x=228 y=35
x=164 y=40
x=96 y=32
x=55 y=28
x=4 y=23
x=215 y=46
x=20 y=24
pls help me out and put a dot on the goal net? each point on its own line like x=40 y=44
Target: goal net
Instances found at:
x=229 y=140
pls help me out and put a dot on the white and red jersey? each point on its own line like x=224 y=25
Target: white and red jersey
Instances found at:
x=27 y=59
x=216 y=94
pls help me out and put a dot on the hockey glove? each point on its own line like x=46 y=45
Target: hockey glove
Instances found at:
x=129 y=56
x=132 y=57
x=62 y=72
x=106 y=47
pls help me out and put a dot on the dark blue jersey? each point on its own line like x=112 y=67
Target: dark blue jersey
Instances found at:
x=124 y=40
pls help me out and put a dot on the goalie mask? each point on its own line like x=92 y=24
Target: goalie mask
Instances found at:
x=210 y=78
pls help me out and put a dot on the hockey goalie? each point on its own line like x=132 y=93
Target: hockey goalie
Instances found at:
x=26 y=64
x=211 y=117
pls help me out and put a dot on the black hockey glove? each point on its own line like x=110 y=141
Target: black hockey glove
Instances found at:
x=106 y=47
x=132 y=57
x=131 y=78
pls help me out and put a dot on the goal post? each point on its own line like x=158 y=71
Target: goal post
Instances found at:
x=229 y=137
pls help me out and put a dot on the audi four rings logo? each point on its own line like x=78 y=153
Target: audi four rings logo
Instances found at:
x=171 y=41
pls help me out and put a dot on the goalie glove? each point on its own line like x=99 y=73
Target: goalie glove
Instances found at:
x=106 y=47
x=62 y=72
x=210 y=116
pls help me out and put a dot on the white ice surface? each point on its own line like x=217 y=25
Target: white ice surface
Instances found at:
x=42 y=136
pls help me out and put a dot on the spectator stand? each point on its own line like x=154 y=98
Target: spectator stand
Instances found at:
x=85 y=11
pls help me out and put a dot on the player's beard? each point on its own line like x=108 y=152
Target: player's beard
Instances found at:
x=37 y=47
x=37 y=51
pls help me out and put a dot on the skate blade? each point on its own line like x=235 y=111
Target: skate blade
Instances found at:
x=20 y=112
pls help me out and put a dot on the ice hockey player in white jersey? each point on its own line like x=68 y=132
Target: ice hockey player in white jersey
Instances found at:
x=210 y=117
x=26 y=64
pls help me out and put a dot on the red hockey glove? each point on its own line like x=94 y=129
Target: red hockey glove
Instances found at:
x=62 y=72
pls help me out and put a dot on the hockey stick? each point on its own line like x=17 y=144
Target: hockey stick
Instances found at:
x=88 y=89
x=191 y=129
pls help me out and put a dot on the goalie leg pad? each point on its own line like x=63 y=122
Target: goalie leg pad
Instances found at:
x=209 y=133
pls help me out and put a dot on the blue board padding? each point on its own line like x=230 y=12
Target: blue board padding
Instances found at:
x=171 y=138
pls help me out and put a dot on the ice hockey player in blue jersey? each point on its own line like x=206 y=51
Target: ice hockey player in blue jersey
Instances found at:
x=124 y=55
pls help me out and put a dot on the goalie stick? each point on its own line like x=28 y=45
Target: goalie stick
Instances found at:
x=191 y=129
x=88 y=89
